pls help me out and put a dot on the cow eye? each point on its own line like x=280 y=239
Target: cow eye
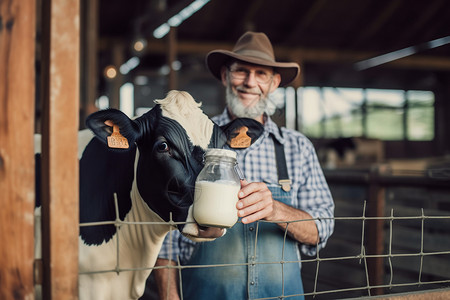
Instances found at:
x=163 y=147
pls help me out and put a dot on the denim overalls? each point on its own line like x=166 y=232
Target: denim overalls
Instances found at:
x=271 y=264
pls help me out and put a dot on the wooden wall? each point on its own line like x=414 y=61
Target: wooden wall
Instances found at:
x=59 y=65
x=17 y=87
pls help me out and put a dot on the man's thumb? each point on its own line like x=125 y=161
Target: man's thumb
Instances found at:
x=243 y=183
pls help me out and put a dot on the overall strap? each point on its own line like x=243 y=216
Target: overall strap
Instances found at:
x=283 y=177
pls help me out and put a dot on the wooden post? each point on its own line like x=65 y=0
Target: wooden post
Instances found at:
x=375 y=238
x=89 y=69
x=17 y=89
x=171 y=58
x=118 y=56
x=60 y=98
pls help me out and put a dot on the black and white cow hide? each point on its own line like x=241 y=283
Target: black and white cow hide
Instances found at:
x=153 y=179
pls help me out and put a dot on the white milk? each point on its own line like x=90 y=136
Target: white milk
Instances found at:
x=215 y=203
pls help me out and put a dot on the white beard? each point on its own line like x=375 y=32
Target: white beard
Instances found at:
x=240 y=110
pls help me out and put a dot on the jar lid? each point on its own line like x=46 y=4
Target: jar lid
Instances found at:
x=220 y=152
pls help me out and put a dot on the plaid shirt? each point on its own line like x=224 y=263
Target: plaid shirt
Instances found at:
x=309 y=189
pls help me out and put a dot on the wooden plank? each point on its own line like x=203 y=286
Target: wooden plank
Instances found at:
x=89 y=67
x=17 y=88
x=375 y=233
x=304 y=55
x=118 y=54
x=422 y=295
x=171 y=57
x=60 y=77
x=377 y=24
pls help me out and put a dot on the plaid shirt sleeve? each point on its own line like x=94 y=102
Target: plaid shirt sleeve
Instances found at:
x=313 y=194
x=176 y=246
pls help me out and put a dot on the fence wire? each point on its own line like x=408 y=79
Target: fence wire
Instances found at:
x=361 y=257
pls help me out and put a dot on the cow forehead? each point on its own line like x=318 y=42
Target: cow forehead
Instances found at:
x=181 y=107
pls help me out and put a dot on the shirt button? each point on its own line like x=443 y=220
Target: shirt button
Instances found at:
x=252 y=283
x=251 y=228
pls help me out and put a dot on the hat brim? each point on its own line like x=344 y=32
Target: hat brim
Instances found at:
x=216 y=59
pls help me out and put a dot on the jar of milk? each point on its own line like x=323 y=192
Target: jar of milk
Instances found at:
x=216 y=190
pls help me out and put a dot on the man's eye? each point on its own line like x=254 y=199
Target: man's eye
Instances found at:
x=241 y=71
x=163 y=147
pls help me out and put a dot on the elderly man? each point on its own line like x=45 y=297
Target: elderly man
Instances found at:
x=284 y=187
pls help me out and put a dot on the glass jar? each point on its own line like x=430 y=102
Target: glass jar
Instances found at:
x=216 y=190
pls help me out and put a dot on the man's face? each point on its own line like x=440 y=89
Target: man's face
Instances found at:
x=248 y=87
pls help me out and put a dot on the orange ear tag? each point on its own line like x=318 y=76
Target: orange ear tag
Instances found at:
x=116 y=140
x=242 y=140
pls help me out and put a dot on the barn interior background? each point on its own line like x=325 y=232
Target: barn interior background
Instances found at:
x=373 y=96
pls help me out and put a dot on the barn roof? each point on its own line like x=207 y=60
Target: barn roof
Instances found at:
x=327 y=37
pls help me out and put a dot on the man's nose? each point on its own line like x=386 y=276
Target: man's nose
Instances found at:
x=250 y=80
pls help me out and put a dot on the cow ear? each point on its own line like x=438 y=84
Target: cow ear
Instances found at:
x=218 y=138
x=113 y=124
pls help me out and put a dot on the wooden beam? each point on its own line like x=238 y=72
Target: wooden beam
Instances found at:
x=302 y=55
x=17 y=93
x=374 y=27
x=248 y=16
x=308 y=18
x=89 y=57
x=436 y=294
x=420 y=22
x=172 y=57
x=60 y=97
x=118 y=57
x=375 y=228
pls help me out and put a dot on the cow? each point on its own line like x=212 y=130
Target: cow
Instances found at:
x=150 y=163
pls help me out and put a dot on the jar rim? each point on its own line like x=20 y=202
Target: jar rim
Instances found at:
x=220 y=152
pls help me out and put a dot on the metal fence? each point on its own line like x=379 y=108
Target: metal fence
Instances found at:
x=361 y=257
x=382 y=249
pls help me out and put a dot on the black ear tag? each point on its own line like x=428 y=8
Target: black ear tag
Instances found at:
x=243 y=132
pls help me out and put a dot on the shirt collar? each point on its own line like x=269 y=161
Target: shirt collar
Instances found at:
x=271 y=128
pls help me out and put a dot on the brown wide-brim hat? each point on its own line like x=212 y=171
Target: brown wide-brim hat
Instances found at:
x=254 y=48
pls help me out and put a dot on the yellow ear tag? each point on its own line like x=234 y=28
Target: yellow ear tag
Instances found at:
x=242 y=140
x=116 y=140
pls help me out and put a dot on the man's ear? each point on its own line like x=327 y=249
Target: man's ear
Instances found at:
x=275 y=82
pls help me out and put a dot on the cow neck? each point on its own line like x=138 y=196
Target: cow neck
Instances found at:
x=140 y=244
x=141 y=212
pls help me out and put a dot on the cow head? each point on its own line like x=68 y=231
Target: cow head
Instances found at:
x=171 y=140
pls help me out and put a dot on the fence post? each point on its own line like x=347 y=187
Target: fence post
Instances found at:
x=60 y=98
x=17 y=91
x=375 y=228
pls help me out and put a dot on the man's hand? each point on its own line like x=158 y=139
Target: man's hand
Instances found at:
x=256 y=203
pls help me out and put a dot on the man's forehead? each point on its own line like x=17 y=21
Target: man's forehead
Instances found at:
x=250 y=66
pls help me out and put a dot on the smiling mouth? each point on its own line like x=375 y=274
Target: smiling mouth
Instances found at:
x=248 y=92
